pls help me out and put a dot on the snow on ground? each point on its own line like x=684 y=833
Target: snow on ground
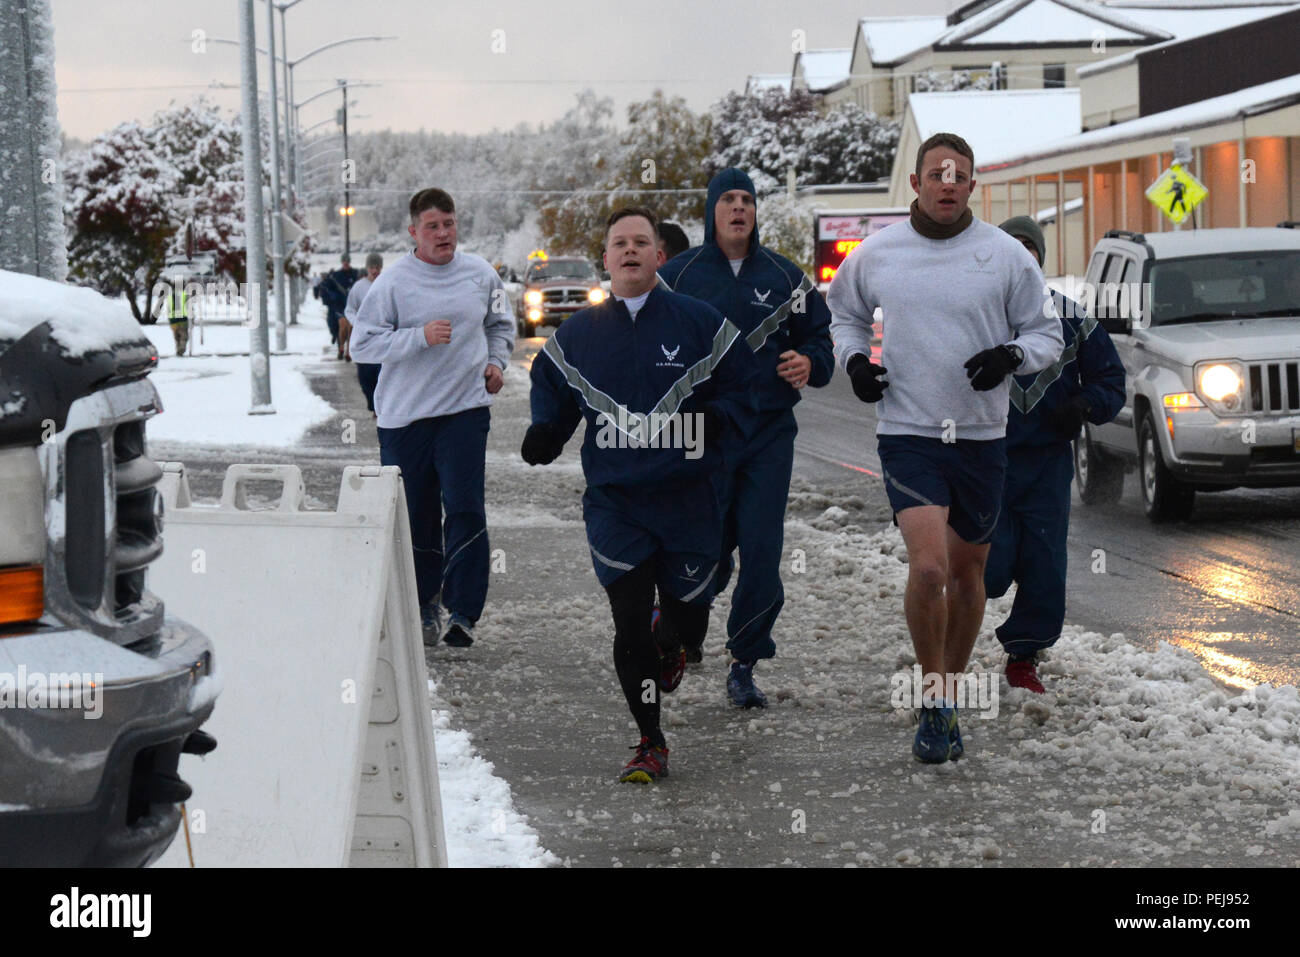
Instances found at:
x=207 y=395
x=205 y=400
x=1135 y=756
x=482 y=827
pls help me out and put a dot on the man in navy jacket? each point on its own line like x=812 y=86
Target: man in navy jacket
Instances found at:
x=787 y=325
x=1047 y=409
x=663 y=382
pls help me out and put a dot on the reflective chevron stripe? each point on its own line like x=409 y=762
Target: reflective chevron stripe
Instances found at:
x=1026 y=399
x=619 y=415
x=756 y=339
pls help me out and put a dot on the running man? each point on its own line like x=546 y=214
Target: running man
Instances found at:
x=367 y=372
x=954 y=293
x=1047 y=410
x=440 y=323
x=651 y=514
x=787 y=325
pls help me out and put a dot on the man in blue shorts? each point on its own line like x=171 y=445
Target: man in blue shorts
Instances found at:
x=963 y=305
x=662 y=380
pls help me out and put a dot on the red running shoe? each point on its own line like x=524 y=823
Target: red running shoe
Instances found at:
x=672 y=664
x=1023 y=674
x=648 y=764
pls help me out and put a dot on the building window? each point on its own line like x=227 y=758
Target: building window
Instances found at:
x=1053 y=76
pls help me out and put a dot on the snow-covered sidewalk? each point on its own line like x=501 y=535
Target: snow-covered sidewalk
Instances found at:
x=1133 y=757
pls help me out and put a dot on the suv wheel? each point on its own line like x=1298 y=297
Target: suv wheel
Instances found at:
x=1164 y=498
x=1099 y=478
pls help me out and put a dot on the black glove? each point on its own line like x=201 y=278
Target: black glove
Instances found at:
x=542 y=444
x=715 y=425
x=987 y=369
x=865 y=376
x=1067 y=418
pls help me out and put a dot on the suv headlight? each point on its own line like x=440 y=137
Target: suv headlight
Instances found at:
x=533 y=297
x=596 y=295
x=1222 y=384
x=22 y=536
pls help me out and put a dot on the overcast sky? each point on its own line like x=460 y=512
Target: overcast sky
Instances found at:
x=126 y=59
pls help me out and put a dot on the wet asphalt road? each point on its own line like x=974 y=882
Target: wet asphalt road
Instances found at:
x=1224 y=584
x=739 y=779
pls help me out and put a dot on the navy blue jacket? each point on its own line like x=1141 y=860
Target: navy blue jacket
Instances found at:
x=775 y=305
x=1089 y=366
x=679 y=355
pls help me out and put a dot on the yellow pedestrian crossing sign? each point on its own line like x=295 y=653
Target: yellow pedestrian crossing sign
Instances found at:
x=1176 y=193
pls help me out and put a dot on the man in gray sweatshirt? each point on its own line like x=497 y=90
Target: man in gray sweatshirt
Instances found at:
x=963 y=305
x=440 y=323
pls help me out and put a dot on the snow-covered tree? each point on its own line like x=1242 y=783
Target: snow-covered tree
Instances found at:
x=140 y=195
x=665 y=151
x=932 y=81
x=577 y=154
x=772 y=131
x=848 y=145
x=763 y=131
x=119 y=209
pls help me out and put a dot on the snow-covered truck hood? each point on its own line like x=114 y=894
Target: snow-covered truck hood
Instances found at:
x=1247 y=339
x=57 y=344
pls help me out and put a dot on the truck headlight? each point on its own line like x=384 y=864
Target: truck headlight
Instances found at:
x=1222 y=385
x=22 y=536
x=596 y=295
x=533 y=297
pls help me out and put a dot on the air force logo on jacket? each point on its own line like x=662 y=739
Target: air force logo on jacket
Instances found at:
x=603 y=367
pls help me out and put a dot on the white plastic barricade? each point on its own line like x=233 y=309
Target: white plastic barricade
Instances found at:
x=325 y=753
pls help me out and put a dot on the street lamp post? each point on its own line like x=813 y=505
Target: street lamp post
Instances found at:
x=277 y=226
x=254 y=237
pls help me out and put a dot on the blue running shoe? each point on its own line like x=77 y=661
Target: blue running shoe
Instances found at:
x=933 y=742
x=955 y=750
x=741 y=688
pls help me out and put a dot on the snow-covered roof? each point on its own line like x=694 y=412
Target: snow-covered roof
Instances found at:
x=81 y=320
x=983 y=119
x=1185 y=24
x=825 y=69
x=1255 y=99
x=1048 y=22
x=767 y=81
x=890 y=39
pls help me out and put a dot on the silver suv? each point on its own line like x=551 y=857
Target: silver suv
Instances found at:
x=1207 y=323
x=100 y=691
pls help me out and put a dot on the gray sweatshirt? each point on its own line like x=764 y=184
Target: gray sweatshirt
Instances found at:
x=419 y=381
x=356 y=296
x=941 y=302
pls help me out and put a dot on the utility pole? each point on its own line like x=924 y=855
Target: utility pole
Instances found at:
x=277 y=225
x=254 y=233
x=347 y=178
x=31 y=192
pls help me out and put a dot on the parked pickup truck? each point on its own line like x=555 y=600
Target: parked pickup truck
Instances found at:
x=100 y=691
x=1207 y=323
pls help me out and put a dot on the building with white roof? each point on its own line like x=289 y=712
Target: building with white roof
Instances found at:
x=821 y=71
x=1092 y=95
x=1022 y=44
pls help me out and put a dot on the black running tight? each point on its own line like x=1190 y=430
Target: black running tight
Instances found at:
x=636 y=659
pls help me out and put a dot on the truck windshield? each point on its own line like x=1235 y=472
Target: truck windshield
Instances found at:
x=1225 y=286
x=561 y=268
